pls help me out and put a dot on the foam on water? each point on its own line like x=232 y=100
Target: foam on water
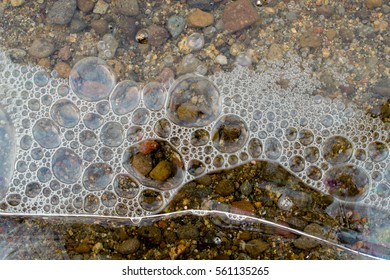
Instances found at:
x=91 y=146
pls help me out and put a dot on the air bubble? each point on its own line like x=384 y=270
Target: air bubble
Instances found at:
x=229 y=134
x=14 y=199
x=108 y=199
x=154 y=96
x=200 y=137
x=34 y=104
x=91 y=79
x=306 y=137
x=93 y=121
x=91 y=203
x=103 y=107
x=291 y=133
x=41 y=78
x=194 y=101
x=163 y=128
x=65 y=113
x=140 y=116
x=151 y=200
x=106 y=154
x=88 y=138
x=272 y=148
x=383 y=190
x=26 y=142
x=112 y=134
x=378 y=151
x=125 y=97
x=311 y=154
x=89 y=155
x=33 y=189
x=37 y=153
x=297 y=164
x=285 y=202
x=196 y=167
x=46 y=133
x=360 y=154
x=66 y=166
x=347 y=182
x=327 y=121
x=314 y=173
x=44 y=174
x=97 y=176
x=255 y=147
x=195 y=41
x=135 y=134
x=125 y=186
x=337 y=149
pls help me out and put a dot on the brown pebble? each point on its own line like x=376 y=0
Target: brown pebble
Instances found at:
x=63 y=69
x=162 y=171
x=330 y=34
x=142 y=163
x=129 y=246
x=157 y=35
x=44 y=62
x=199 y=18
x=224 y=187
x=100 y=26
x=372 y=4
x=239 y=15
x=187 y=112
x=41 y=47
x=243 y=207
x=82 y=248
x=310 y=40
x=245 y=235
x=85 y=6
x=256 y=247
x=64 y=53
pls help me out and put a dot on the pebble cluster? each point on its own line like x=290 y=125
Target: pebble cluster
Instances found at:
x=91 y=145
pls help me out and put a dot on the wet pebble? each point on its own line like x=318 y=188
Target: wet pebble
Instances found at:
x=199 y=18
x=307 y=243
x=128 y=7
x=142 y=163
x=221 y=59
x=372 y=4
x=157 y=35
x=77 y=25
x=101 y=7
x=162 y=171
x=129 y=246
x=63 y=69
x=310 y=40
x=85 y=6
x=175 y=25
x=346 y=35
x=187 y=232
x=150 y=234
x=17 y=3
x=326 y=10
x=61 y=12
x=224 y=187
x=41 y=48
x=100 y=26
x=246 y=188
x=255 y=247
x=239 y=15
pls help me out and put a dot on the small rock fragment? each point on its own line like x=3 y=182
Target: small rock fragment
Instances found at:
x=41 y=47
x=127 y=7
x=372 y=4
x=310 y=40
x=85 y=6
x=255 y=247
x=162 y=171
x=129 y=246
x=224 y=187
x=61 y=12
x=199 y=18
x=157 y=35
x=175 y=25
x=239 y=15
x=101 y=7
x=63 y=69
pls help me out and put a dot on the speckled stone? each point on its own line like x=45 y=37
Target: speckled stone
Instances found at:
x=41 y=48
x=129 y=246
x=85 y=6
x=127 y=7
x=61 y=12
x=157 y=35
x=239 y=15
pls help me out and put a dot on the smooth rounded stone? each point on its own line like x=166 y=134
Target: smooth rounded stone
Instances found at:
x=229 y=134
x=157 y=35
x=285 y=203
x=41 y=78
x=135 y=134
x=91 y=79
x=155 y=163
x=255 y=147
x=311 y=154
x=200 y=137
x=106 y=154
x=97 y=176
x=246 y=188
x=61 y=12
x=372 y=4
x=88 y=138
x=89 y=155
x=272 y=148
x=221 y=59
x=297 y=164
x=127 y=7
x=125 y=97
x=163 y=128
x=93 y=121
x=65 y=113
x=140 y=116
x=154 y=95
x=378 y=151
x=239 y=15
x=26 y=142
x=337 y=150
x=176 y=25
x=85 y=6
x=196 y=167
x=314 y=173
x=225 y=187
x=108 y=199
x=112 y=134
x=46 y=133
x=44 y=174
x=194 y=101
x=66 y=165
x=305 y=137
x=33 y=189
x=100 y=26
x=129 y=246
x=195 y=41
x=41 y=48
x=91 y=203
x=347 y=182
x=255 y=247
x=307 y=243
x=187 y=231
x=150 y=200
x=125 y=186
x=199 y=18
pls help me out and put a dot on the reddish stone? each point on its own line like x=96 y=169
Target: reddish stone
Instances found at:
x=148 y=146
x=239 y=15
x=243 y=207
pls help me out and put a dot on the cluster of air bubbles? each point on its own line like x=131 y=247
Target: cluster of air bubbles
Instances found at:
x=96 y=146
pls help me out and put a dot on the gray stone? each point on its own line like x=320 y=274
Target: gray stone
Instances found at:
x=129 y=246
x=307 y=243
x=17 y=54
x=255 y=247
x=346 y=35
x=187 y=232
x=77 y=25
x=41 y=47
x=246 y=188
x=176 y=25
x=206 y=5
x=128 y=7
x=61 y=12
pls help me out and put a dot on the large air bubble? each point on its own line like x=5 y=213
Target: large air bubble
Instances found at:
x=154 y=96
x=337 y=150
x=91 y=79
x=7 y=151
x=125 y=97
x=125 y=186
x=194 y=101
x=46 y=133
x=66 y=166
x=378 y=151
x=347 y=182
x=230 y=134
x=97 y=176
x=65 y=113
x=155 y=163
x=272 y=148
